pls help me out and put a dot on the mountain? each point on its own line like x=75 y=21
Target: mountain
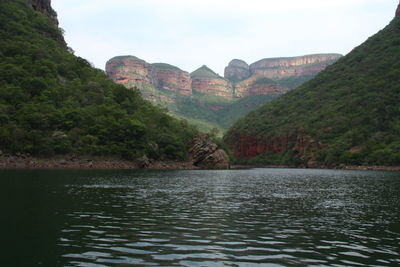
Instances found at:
x=348 y=114
x=53 y=103
x=203 y=97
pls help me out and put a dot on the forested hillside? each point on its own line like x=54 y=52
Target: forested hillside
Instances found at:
x=54 y=103
x=348 y=114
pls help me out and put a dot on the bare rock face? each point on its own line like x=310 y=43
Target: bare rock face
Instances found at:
x=134 y=72
x=248 y=146
x=206 y=81
x=398 y=11
x=257 y=85
x=129 y=70
x=44 y=6
x=205 y=154
x=279 y=68
x=171 y=78
x=237 y=70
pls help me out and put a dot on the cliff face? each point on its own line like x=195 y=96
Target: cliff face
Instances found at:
x=206 y=81
x=44 y=6
x=134 y=72
x=280 y=68
x=237 y=70
x=172 y=79
x=258 y=86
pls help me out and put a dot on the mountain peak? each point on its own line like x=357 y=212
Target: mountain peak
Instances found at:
x=398 y=11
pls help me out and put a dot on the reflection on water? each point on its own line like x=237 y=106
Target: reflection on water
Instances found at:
x=260 y=217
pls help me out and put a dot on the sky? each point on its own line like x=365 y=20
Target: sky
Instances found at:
x=192 y=33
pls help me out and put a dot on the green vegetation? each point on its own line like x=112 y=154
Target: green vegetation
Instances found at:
x=204 y=72
x=264 y=80
x=293 y=82
x=351 y=107
x=165 y=66
x=212 y=112
x=54 y=103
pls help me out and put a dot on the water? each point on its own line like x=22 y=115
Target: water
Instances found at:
x=260 y=217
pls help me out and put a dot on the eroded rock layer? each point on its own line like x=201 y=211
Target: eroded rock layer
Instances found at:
x=279 y=68
x=135 y=72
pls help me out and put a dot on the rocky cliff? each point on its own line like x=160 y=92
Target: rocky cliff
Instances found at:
x=280 y=68
x=44 y=6
x=237 y=70
x=258 y=85
x=171 y=78
x=135 y=72
x=398 y=11
x=206 y=81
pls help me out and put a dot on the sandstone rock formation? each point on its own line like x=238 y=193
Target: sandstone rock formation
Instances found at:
x=135 y=72
x=279 y=68
x=44 y=6
x=241 y=80
x=206 y=81
x=168 y=77
x=257 y=85
x=250 y=146
x=205 y=154
x=237 y=70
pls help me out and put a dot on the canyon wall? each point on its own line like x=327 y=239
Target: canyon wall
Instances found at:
x=206 y=81
x=280 y=68
x=134 y=72
x=241 y=80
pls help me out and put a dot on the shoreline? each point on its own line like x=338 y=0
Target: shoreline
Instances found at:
x=37 y=163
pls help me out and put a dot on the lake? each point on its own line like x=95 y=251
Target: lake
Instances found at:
x=257 y=217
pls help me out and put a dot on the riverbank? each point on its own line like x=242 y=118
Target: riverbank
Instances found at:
x=37 y=163
x=14 y=162
x=340 y=167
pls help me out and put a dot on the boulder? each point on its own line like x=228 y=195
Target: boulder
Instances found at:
x=204 y=153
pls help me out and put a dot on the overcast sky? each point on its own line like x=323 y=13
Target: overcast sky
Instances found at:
x=192 y=33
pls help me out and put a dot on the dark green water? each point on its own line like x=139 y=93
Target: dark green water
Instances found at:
x=260 y=217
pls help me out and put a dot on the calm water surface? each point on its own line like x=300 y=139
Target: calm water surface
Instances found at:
x=260 y=217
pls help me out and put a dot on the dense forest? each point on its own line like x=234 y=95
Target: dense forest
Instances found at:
x=351 y=112
x=54 y=103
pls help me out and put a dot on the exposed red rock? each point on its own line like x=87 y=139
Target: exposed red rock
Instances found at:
x=240 y=79
x=44 y=6
x=258 y=86
x=173 y=79
x=213 y=86
x=206 y=81
x=248 y=146
x=129 y=70
x=134 y=72
x=279 y=68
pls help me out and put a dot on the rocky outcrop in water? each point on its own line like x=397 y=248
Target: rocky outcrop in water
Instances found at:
x=206 y=154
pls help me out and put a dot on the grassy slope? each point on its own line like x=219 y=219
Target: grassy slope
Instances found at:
x=353 y=103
